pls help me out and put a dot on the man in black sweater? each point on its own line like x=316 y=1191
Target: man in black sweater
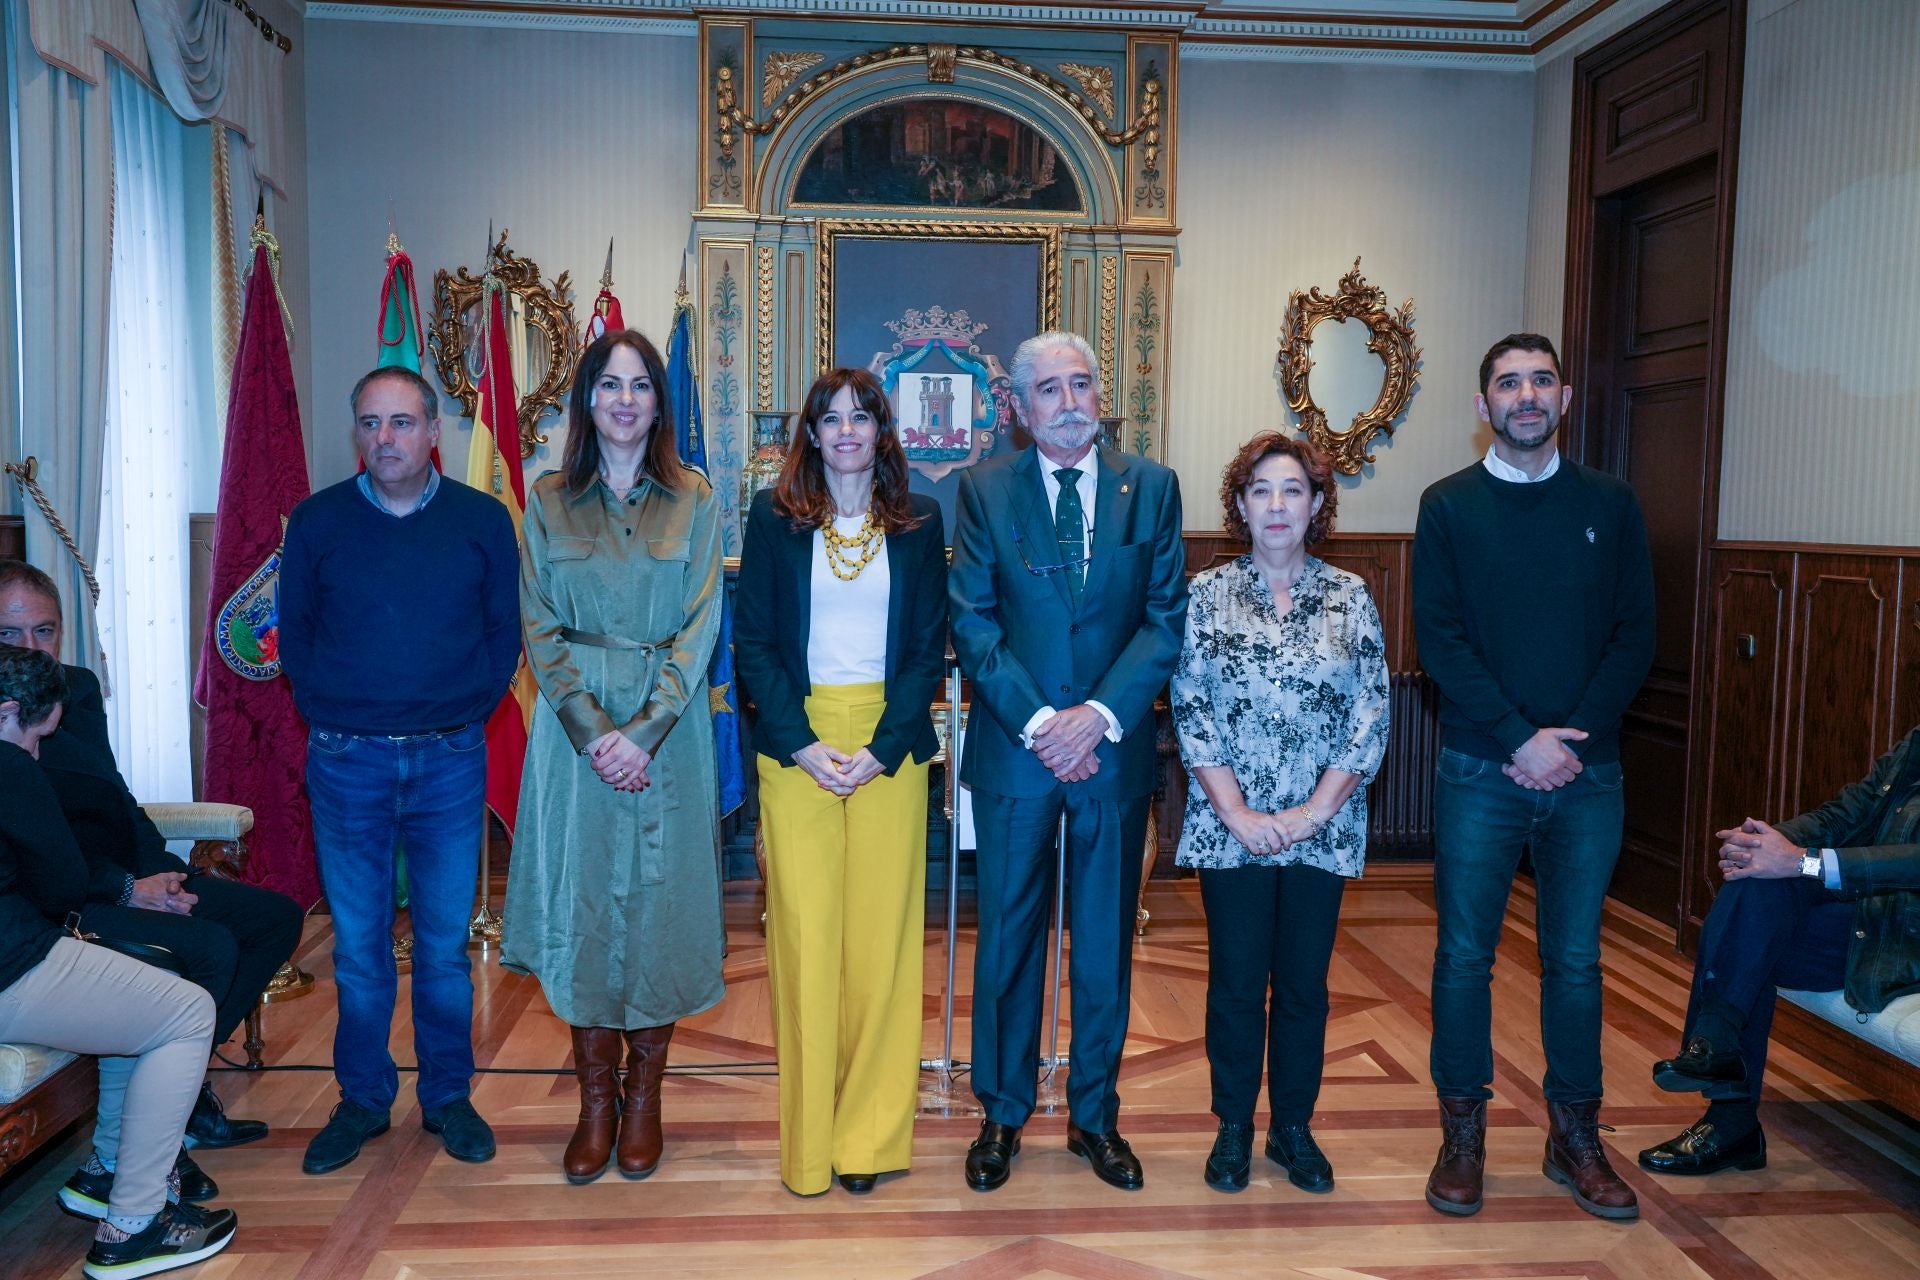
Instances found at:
x=399 y=628
x=1533 y=608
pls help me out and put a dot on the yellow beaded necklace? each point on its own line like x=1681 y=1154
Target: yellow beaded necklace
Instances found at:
x=849 y=556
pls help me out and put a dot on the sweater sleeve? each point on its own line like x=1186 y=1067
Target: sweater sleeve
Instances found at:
x=1628 y=654
x=296 y=592
x=1440 y=629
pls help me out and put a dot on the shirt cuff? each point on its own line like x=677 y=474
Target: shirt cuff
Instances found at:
x=1113 y=721
x=1040 y=717
x=1830 y=869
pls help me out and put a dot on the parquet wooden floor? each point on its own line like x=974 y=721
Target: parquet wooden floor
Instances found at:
x=1840 y=1197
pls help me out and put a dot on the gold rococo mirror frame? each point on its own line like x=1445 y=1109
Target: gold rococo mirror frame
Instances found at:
x=547 y=308
x=1390 y=336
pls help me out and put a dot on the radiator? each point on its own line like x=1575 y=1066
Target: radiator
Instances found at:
x=1400 y=801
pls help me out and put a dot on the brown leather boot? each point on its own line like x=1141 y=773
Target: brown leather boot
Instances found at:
x=1576 y=1160
x=640 y=1117
x=596 y=1063
x=1459 y=1171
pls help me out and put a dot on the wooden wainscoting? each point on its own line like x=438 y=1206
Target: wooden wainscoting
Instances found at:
x=13 y=538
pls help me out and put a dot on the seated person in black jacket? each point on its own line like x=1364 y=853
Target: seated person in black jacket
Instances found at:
x=229 y=938
x=1822 y=902
x=151 y=1029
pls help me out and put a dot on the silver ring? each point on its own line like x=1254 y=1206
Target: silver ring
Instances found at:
x=623 y=773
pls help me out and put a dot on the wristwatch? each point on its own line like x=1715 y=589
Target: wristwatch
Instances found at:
x=1813 y=864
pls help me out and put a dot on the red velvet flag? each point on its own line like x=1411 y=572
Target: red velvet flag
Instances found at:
x=256 y=740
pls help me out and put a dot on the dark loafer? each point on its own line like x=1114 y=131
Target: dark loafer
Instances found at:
x=857 y=1183
x=990 y=1158
x=1291 y=1146
x=1112 y=1159
x=1231 y=1158
x=1700 y=1069
x=339 y=1142
x=211 y=1126
x=467 y=1136
x=1700 y=1148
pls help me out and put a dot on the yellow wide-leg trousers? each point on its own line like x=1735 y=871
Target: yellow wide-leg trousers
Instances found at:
x=846 y=900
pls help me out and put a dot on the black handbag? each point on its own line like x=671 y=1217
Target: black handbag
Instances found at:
x=145 y=952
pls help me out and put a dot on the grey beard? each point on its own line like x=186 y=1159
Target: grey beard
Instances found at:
x=1069 y=430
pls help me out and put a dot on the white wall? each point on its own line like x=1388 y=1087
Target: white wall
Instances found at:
x=1288 y=171
x=1822 y=438
x=567 y=137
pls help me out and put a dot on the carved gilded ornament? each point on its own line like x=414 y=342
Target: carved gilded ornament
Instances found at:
x=1095 y=82
x=1109 y=311
x=546 y=310
x=763 y=379
x=779 y=70
x=730 y=117
x=940 y=60
x=1390 y=336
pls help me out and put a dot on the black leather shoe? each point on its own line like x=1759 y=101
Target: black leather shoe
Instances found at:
x=195 y=1185
x=1700 y=1069
x=1700 y=1149
x=339 y=1142
x=1291 y=1146
x=857 y=1183
x=1112 y=1159
x=467 y=1136
x=990 y=1158
x=210 y=1126
x=1231 y=1158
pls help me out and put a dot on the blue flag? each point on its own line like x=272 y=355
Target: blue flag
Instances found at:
x=683 y=392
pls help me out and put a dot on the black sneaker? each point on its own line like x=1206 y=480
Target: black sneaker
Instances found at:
x=179 y=1236
x=210 y=1126
x=1231 y=1158
x=467 y=1136
x=347 y=1129
x=89 y=1191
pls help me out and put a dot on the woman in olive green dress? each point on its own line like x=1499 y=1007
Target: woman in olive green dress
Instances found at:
x=613 y=896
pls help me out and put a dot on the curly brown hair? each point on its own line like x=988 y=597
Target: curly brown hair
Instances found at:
x=1268 y=444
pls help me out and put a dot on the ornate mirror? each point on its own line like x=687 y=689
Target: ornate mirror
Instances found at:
x=542 y=336
x=1347 y=359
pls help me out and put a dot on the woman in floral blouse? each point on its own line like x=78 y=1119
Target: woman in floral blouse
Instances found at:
x=1280 y=701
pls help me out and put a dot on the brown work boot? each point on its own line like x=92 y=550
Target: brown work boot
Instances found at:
x=1459 y=1171
x=596 y=1063
x=1576 y=1160
x=640 y=1115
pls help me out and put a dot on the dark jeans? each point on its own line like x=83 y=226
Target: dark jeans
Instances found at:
x=1759 y=936
x=236 y=938
x=368 y=792
x=1482 y=820
x=1268 y=928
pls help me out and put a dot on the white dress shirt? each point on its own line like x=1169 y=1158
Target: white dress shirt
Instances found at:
x=1088 y=490
x=1501 y=469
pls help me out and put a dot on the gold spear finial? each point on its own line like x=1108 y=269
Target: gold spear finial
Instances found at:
x=606 y=277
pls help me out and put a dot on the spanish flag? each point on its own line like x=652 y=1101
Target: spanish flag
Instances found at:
x=493 y=466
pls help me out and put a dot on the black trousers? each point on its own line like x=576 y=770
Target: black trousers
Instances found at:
x=1268 y=929
x=232 y=944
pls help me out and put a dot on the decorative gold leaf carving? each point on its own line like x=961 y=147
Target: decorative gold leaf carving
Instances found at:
x=1095 y=82
x=780 y=69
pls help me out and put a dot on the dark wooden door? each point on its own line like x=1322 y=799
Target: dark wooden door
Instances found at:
x=1649 y=262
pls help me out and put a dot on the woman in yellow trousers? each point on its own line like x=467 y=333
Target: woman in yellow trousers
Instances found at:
x=840 y=642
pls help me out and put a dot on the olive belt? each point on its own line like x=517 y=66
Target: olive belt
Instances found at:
x=598 y=640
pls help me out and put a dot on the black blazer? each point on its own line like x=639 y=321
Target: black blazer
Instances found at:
x=112 y=830
x=773 y=614
x=42 y=876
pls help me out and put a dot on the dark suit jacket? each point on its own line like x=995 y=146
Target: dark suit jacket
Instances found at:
x=113 y=832
x=772 y=618
x=1024 y=645
x=41 y=872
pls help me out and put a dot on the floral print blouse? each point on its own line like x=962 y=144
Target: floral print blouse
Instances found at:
x=1279 y=700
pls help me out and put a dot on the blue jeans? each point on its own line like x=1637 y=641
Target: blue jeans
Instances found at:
x=367 y=793
x=1482 y=819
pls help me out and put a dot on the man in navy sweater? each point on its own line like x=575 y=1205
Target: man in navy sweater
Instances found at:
x=400 y=629
x=1533 y=610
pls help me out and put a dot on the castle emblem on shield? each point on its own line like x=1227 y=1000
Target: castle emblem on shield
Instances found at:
x=952 y=400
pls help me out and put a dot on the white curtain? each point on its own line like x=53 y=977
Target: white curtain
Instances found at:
x=154 y=414
x=187 y=40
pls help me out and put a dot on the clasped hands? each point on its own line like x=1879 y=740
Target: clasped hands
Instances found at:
x=1267 y=833
x=836 y=771
x=163 y=891
x=1066 y=740
x=619 y=761
x=1543 y=762
x=1754 y=849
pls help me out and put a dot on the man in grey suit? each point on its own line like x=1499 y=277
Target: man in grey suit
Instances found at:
x=1069 y=602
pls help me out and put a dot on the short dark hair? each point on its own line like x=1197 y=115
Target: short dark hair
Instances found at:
x=33 y=679
x=1269 y=444
x=581 y=457
x=18 y=573
x=428 y=396
x=1517 y=342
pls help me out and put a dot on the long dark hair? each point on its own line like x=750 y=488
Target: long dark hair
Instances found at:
x=581 y=459
x=800 y=494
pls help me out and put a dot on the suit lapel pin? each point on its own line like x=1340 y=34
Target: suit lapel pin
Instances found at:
x=1123 y=488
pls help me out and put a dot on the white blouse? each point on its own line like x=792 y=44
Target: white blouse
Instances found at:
x=847 y=630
